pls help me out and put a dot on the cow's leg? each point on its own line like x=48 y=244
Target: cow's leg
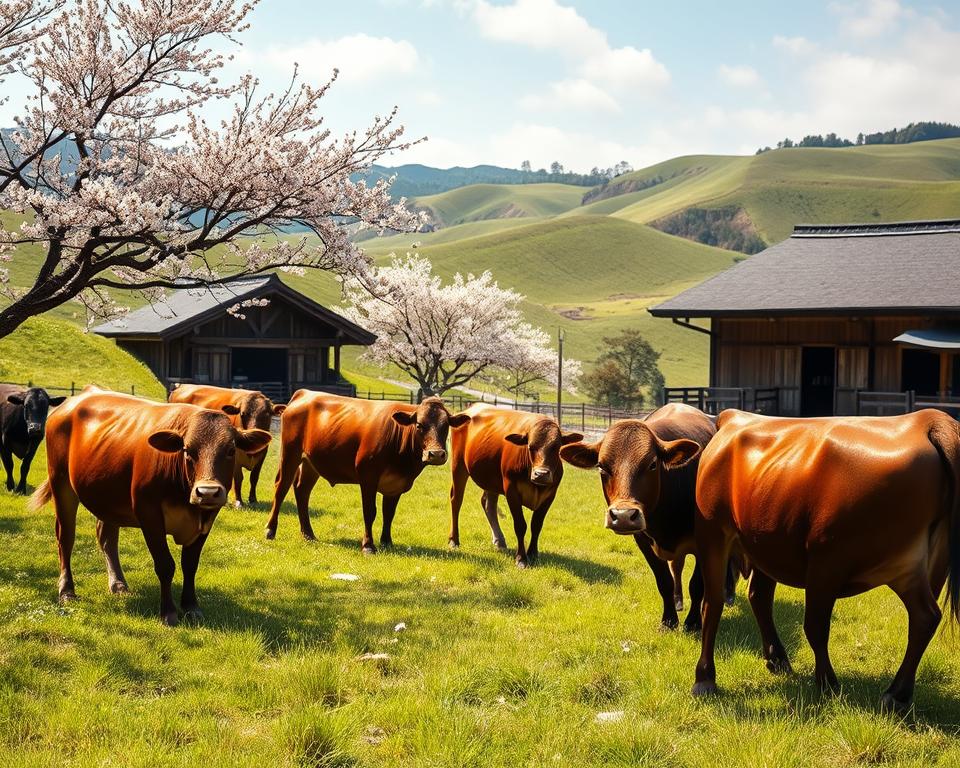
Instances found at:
x=676 y=570
x=816 y=626
x=6 y=455
x=760 y=593
x=25 y=467
x=664 y=579
x=303 y=485
x=151 y=523
x=290 y=459
x=536 y=525
x=189 y=561
x=733 y=575
x=519 y=526
x=108 y=537
x=65 y=503
x=694 y=620
x=389 y=510
x=925 y=614
x=489 y=503
x=238 y=484
x=255 y=478
x=458 y=484
x=713 y=549
x=368 y=500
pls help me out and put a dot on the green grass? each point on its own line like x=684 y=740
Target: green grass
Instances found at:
x=53 y=353
x=496 y=667
x=500 y=201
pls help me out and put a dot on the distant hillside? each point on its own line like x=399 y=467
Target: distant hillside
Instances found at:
x=499 y=201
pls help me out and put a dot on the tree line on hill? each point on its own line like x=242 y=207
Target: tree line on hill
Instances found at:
x=923 y=131
x=557 y=174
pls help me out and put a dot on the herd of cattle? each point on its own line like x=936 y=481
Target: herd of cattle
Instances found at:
x=835 y=506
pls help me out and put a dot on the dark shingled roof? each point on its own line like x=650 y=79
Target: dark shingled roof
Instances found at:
x=824 y=270
x=187 y=307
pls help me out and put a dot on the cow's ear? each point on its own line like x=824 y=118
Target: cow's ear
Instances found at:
x=459 y=419
x=55 y=401
x=166 y=441
x=230 y=410
x=516 y=439
x=279 y=409
x=15 y=399
x=405 y=419
x=570 y=437
x=583 y=455
x=252 y=440
x=677 y=453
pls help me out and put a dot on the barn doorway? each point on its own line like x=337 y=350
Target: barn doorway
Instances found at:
x=818 y=377
x=259 y=364
x=920 y=371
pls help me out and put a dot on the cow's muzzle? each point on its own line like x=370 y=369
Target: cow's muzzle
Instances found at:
x=541 y=476
x=208 y=495
x=626 y=519
x=435 y=456
x=34 y=429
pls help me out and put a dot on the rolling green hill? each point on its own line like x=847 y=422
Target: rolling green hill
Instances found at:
x=500 y=201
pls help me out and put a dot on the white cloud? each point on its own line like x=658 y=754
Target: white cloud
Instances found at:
x=626 y=68
x=798 y=46
x=739 y=76
x=360 y=58
x=429 y=98
x=575 y=94
x=870 y=18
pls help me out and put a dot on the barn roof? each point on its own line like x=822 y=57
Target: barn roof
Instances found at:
x=841 y=269
x=186 y=307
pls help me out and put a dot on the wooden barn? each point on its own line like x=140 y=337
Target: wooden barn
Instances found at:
x=838 y=320
x=277 y=347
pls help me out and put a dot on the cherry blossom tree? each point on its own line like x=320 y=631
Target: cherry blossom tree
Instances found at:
x=124 y=186
x=533 y=361
x=443 y=336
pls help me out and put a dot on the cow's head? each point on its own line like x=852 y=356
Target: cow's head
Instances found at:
x=255 y=411
x=208 y=443
x=543 y=443
x=630 y=458
x=36 y=402
x=430 y=424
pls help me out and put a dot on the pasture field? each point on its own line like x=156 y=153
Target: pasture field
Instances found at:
x=500 y=201
x=496 y=666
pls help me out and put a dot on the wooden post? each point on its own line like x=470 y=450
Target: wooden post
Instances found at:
x=583 y=417
x=336 y=361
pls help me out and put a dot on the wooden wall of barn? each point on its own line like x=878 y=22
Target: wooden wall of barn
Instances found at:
x=761 y=353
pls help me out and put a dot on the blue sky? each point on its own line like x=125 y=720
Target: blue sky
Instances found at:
x=592 y=83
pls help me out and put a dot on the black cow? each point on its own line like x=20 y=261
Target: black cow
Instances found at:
x=23 y=417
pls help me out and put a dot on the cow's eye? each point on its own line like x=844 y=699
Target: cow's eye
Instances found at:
x=604 y=472
x=653 y=465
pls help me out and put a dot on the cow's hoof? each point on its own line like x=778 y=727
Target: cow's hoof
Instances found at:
x=252 y=501
x=67 y=596
x=729 y=600
x=9 y=485
x=170 y=619
x=500 y=544
x=270 y=534
x=668 y=625
x=692 y=626
x=678 y=604
x=308 y=535
x=704 y=688
x=523 y=564
x=453 y=544
x=193 y=616
x=368 y=549
x=119 y=588
x=892 y=706
x=780 y=665
x=386 y=543
x=21 y=490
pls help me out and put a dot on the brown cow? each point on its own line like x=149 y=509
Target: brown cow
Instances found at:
x=512 y=453
x=137 y=464
x=382 y=447
x=648 y=470
x=835 y=506
x=248 y=409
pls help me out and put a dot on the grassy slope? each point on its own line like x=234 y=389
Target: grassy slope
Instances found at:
x=54 y=353
x=780 y=189
x=499 y=201
x=496 y=667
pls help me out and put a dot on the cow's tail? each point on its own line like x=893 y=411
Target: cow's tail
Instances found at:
x=41 y=496
x=945 y=436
